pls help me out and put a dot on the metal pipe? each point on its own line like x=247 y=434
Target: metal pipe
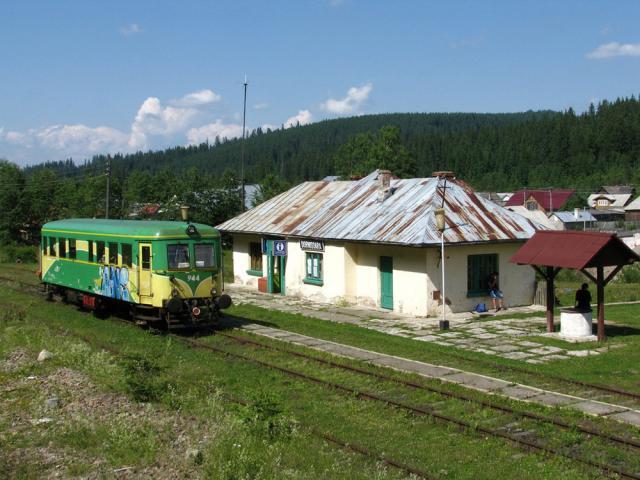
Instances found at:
x=443 y=323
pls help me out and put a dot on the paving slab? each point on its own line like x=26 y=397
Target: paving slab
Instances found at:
x=505 y=348
x=427 y=338
x=598 y=408
x=552 y=399
x=516 y=355
x=308 y=341
x=416 y=367
x=520 y=392
x=479 y=382
x=347 y=351
x=631 y=417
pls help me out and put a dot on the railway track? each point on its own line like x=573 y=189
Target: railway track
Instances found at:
x=417 y=410
x=605 y=389
x=627 y=442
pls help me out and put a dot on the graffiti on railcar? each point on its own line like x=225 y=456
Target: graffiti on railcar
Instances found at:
x=114 y=282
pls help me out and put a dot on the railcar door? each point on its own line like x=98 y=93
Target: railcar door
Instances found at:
x=144 y=272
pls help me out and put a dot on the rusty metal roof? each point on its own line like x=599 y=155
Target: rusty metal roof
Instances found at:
x=356 y=211
x=578 y=250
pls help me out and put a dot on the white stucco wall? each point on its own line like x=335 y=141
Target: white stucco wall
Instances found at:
x=351 y=273
x=516 y=282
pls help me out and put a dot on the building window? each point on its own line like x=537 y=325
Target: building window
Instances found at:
x=532 y=206
x=314 y=269
x=127 y=255
x=62 y=247
x=113 y=253
x=479 y=268
x=255 y=259
x=72 y=248
x=90 y=251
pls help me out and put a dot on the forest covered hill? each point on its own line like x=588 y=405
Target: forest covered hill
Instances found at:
x=490 y=151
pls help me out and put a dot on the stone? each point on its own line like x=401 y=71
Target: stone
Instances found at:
x=45 y=355
x=516 y=355
x=427 y=338
x=484 y=336
x=41 y=421
x=505 y=348
x=530 y=344
x=578 y=353
x=546 y=350
x=52 y=403
x=194 y=455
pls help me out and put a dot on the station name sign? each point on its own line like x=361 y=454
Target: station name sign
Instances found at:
x=312 y=245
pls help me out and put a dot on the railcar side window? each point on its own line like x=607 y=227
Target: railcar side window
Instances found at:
x=45 y=245
x=100 y=252
x=113 y=253
x=52 y=246
x=62 y=246
x=90 y=251
x=146 y=257
x=72 y=248
x=178 y=256
x=127 y=256
x=204 y=255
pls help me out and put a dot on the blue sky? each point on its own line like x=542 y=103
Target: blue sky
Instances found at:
x=87 y=77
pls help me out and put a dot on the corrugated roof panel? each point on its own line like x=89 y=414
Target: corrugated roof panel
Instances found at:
x=358 y=211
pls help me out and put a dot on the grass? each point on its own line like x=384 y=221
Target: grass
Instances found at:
x=268 y=439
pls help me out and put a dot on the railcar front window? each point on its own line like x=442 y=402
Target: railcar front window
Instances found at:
x=62 y=246
x=204 y=255
x=52 y=246
x=72 y=248
x=178 y=256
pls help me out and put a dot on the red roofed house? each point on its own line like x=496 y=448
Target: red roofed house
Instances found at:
x=546 y=200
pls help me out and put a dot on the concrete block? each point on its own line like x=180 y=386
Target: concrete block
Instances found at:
x=520 y=392
x=632 y=417
x=552 y=399
x=424 y=369
x=478 y=381
x=597 y=408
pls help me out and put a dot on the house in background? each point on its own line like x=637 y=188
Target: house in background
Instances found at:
x=537 y=216
x=617 y=190
x=374 y=242
x=576 y=220
x=547 y=201
x=609 y=201
x=632 y=211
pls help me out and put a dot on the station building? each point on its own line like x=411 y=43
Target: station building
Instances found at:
x=375 y=241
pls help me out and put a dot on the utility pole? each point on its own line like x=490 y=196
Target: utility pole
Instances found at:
x=106 y=212
x=244 y=116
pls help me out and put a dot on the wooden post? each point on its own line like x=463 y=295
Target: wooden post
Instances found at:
x=550 y=298
x=600 y=289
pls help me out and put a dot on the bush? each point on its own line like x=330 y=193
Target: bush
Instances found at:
x=13 y=253
x=143 y=378
x=630 y=274
x=265 y=415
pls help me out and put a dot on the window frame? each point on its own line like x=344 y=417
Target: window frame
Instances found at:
x=214 y=263
x=111 y=260
x=90 y=257
x=53 y=249
x=255 y=257
x=72 y=252
x=310 y=277
x=102 y=244
x=477 y=283
x=188 y=249
x=62 y=247
x=127 y=261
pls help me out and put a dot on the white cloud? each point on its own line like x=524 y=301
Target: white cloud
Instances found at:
x=356 y=96
x=302 y=118
x=615 y=49
x=154 y=119
x=212 y=130
x=131 y=29
x=201 y=97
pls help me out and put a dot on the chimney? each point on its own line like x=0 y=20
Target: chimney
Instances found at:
x=384 y=179
x=444 y=174
x=384 y=185
x=576 y=213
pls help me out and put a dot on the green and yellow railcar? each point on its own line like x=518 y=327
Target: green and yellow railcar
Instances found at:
x=165 y=272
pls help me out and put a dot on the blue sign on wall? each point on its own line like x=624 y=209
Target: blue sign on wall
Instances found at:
x=279 y=248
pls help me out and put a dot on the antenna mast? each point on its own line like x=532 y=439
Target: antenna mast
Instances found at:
x=244 y=116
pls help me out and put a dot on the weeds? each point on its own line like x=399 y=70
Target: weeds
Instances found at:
x=143 y=378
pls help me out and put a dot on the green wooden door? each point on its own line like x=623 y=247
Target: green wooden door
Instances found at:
x=386 y=282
